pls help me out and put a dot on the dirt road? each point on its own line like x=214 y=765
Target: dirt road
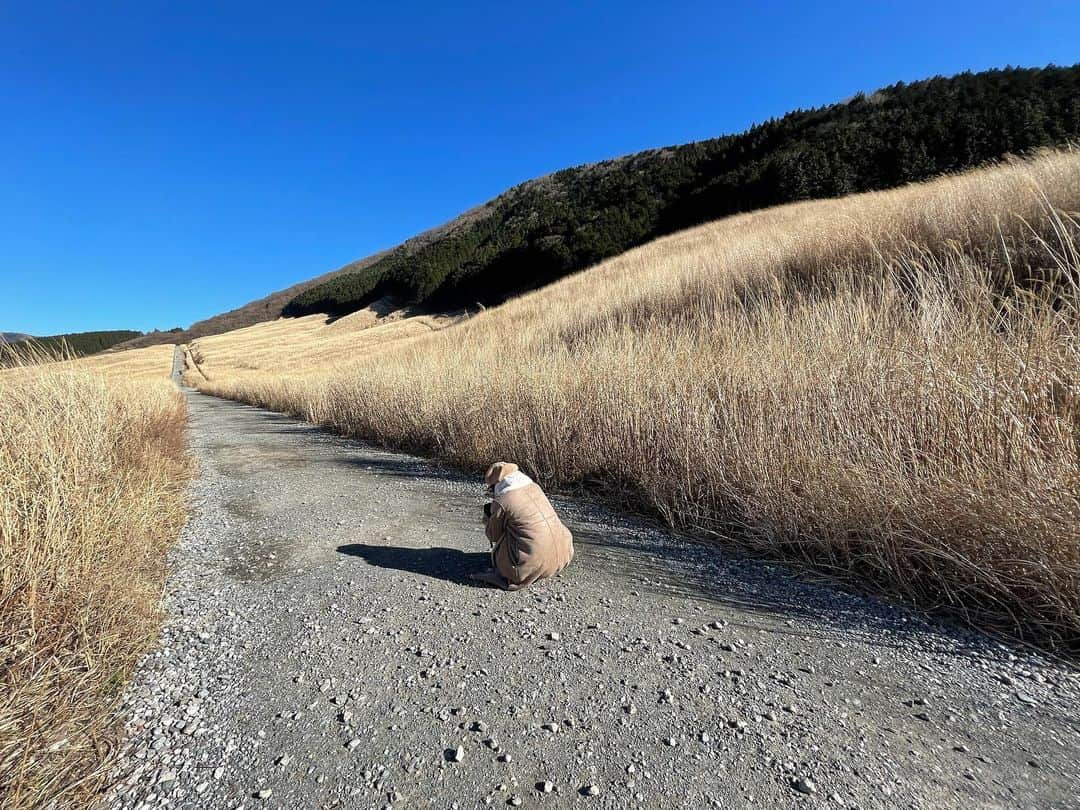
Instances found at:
x=324 y=650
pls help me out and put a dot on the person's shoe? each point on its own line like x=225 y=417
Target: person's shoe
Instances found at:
x=489 y=577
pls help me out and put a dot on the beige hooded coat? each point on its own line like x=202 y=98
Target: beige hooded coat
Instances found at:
x=528 y=540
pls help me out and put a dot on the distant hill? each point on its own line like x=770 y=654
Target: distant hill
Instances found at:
x=546 y=228
x=78 y=344
x=264 y=309
x=12 y=337
x=272 y=306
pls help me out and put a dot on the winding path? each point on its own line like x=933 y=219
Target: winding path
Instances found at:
x=323 y=649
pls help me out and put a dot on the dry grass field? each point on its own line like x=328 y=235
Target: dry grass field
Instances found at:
x=884 y=386
x=283 y=364
x=92 y=480
x=135 y=365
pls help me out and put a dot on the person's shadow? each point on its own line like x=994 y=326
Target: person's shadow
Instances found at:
x=440 y=563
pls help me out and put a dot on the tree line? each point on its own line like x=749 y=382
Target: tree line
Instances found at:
x=73 y=344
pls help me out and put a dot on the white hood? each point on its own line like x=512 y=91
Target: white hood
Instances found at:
x=515 y=480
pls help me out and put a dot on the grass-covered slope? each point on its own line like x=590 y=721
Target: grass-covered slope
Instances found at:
x=547 y=228
x=859 y=383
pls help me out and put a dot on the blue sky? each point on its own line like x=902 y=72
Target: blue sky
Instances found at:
x=163 y=162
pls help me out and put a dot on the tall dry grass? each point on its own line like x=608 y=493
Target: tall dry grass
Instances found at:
x=885 y=386
x=150 y=364
x=285 y=364
x=92 y=482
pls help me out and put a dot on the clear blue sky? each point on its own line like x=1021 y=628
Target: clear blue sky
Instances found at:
x=163 y=162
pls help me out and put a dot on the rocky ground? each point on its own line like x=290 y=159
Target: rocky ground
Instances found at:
x=324 y=649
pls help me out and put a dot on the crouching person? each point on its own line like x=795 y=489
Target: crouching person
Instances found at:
x=528 y=541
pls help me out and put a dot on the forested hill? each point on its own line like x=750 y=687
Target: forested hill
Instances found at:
x=76 y=344
x=546 y=228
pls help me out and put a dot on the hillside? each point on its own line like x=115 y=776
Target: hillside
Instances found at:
x=12 y=337
x=555 y=225
x=271 y=307
x=547 y=228
x=868 y=384
x=260 y=311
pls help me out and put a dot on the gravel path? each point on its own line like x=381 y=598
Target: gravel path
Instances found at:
x=177 y=372
x=324 y=650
